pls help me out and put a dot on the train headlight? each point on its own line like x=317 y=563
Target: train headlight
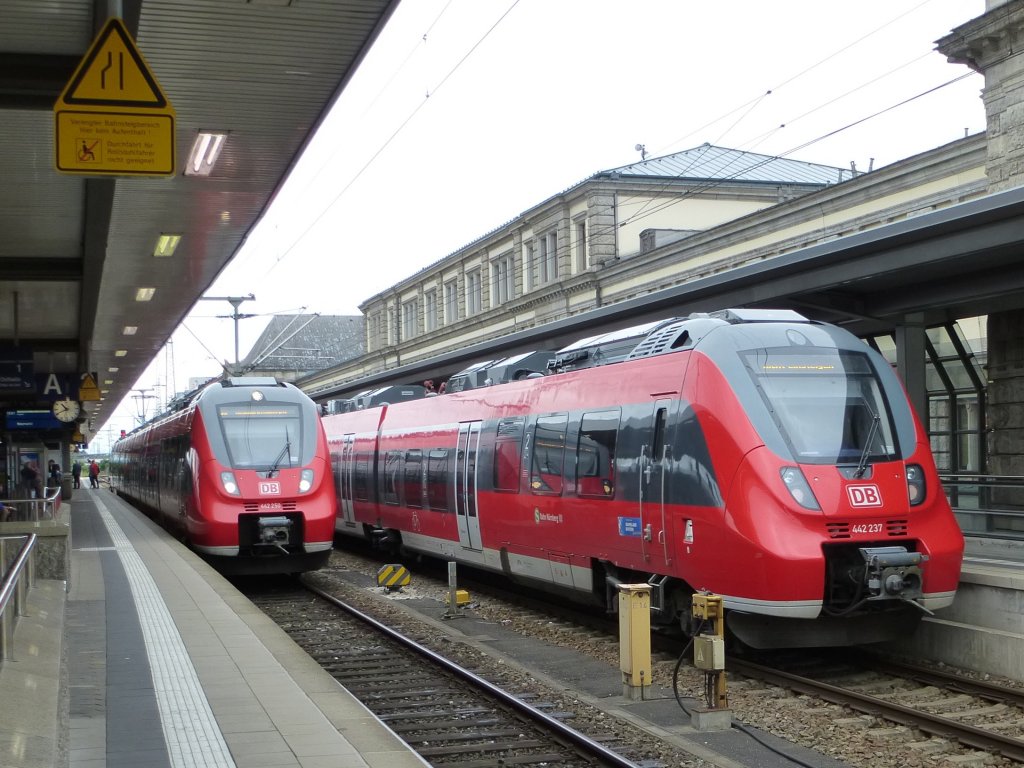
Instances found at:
x=915 y=484
x=798 y=488
x=227 y=479
x=306 y=480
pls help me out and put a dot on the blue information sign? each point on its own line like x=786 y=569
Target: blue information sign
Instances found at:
x=32 y=420
x=630 y=526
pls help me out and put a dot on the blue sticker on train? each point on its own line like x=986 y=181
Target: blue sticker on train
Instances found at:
x=629 y=526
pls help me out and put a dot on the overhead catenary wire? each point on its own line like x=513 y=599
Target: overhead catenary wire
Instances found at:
x=747 y=108
x=712 y=183
x=394 y=134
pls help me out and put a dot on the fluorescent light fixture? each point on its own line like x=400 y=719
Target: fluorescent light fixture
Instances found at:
x=130 y=330
x=120 y=352
x=144 y=294
x=166 y=245
x=205 y=151
x=108 y=381
x=104 y=392
x=113 y=369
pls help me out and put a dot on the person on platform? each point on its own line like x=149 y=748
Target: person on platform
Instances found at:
x=76 y=474
x=40 y=491
x=28 y=478
x=94 y=474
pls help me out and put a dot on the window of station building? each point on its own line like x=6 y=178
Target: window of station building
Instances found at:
x=549 y=258
x=581 y=245
x=437 y=480
x=392 y=470
x=378 y=337
x=451 y=302
x=548 y=455
x=412 y=490
x=503 y=279
x=474 y=293
x=595 y=454
x=409 y=318
x=529 y=265
x=430 y=310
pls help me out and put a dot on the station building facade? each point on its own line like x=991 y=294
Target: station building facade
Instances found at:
x=632 y=230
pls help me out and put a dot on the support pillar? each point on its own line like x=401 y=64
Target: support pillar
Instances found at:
x=910 y=362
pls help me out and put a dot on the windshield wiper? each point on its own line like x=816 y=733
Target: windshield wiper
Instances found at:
x=285 y=451
x=862 y=465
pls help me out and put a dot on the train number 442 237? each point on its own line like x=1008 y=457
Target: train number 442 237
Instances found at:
x=868 y=528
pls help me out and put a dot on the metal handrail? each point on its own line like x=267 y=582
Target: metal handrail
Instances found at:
x=31 y=510
x=14 y=585
x=987 y=506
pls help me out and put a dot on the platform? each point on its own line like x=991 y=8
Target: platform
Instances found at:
x=984 y=628
x=167 y=665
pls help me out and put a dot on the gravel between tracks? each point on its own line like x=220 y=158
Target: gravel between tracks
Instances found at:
x=840 y=733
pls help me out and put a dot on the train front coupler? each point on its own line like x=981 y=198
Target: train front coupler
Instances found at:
x=893 y=573
x=274 y=532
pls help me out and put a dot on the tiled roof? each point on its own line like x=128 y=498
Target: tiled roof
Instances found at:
x=710 y=163
x=306 y=343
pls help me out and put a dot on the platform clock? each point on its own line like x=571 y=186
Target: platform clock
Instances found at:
x=67 y=409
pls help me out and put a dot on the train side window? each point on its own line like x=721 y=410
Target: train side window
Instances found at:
x=506 y=465
x=660 y=421
x=361 y=477
x=595 y=454
x=392 y=469
x=413 y=481
x=437 y=480
x=548 y=455
x=507 y=453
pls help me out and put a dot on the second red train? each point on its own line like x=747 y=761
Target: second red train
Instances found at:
x=753 y=454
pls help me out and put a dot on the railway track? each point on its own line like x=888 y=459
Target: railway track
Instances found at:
x=797 y=699
x=449 y=715
x=947 y=708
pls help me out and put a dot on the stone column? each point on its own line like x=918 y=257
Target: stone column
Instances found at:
x=992 y=44
x=910 y=358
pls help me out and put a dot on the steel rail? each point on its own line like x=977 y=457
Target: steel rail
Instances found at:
x=949 y=680
x=574 y=737
x=969 y=735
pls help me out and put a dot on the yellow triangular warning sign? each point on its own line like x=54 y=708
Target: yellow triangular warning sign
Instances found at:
x=87 y=389
x=113 y=74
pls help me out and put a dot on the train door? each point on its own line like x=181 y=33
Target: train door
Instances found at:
x=465 y=485
x=654 y=463
x=346 y=467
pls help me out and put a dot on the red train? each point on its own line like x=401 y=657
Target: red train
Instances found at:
x=769 y=459
x=240 y=469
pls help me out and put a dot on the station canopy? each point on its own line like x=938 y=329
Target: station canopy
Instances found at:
x=106 y=242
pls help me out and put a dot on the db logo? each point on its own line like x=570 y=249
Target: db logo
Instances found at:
x=864 y=495
x=270 y=489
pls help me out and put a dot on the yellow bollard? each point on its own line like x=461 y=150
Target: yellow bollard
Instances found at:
x=635 y=639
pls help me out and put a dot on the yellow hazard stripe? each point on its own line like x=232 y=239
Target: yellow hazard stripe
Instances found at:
x=390 y=575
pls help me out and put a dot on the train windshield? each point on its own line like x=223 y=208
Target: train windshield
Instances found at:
x=262 y=435
x=828 y=403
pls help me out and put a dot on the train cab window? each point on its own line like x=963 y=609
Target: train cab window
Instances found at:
x=595 y=455
x=264 y=435
x=437 y=480
x=412 y=485
x=828 y=404
x=548 y=455
x=392 y=469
